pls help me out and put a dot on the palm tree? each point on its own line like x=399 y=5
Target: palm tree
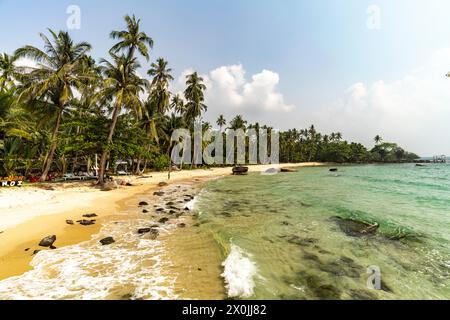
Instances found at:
x=160 y=73
x=221 y=121
x=377 y=139
x=7 y=71
x=177 y=104
x=195 y=98
x=159 y=92
x=122 y=86
x=132 y=39
x=238 y=122
x=59 y=71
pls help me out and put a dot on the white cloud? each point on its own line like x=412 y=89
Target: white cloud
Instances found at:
x=413 y=111
x=230 y=93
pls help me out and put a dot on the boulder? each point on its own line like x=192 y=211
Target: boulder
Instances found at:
x=47 y=241
x=333 y=170
x=86 y=222
x=158 y=193
x=240 y=170
x=36 y=252
x=107 y=241
x=162 y=184
x=144 y=230
x=90 y=215
x=182 y=225
x=69 y=222
x=145 y=211
x=143 y=203
x=355 y=228
x=163 y=220
x=288 y=170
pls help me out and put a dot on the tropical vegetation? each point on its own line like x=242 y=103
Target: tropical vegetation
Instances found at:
x=67 y=112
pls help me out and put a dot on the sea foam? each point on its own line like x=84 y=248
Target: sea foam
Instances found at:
x=239 y=273
x=132 y=268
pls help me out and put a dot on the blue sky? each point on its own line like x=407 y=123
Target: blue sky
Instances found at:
x=318 y=49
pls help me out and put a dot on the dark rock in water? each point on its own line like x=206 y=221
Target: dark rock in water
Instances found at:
x=343 y=267
x=356 y=228
x=327 y=292
x=333 y=170
x=86 y=222
x=182 y=225
x=145 y=211
x=163 y=220
x=52 y=247
x=90 y=215
x=288 y=170
x=36 y=252
x=170 y=203
x=27 y=249
x=361 y=295
x=144 y=230
x=162 y=184
x=47 y=241
x=302 y=241
x=310 y=256
x=128 y=184
x=285 y=223
x=69 y=222
x=172 y=211
x=158 y=193
x=143 y=203
x=240 y=170
x=159 y=209
x=107 y=241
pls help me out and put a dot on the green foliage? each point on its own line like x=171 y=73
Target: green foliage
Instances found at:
x=161 y=162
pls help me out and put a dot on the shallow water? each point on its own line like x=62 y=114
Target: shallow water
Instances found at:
x=281 y=241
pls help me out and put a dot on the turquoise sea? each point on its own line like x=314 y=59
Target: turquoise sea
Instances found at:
x=283 y=236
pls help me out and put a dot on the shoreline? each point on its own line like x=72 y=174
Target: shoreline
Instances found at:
x=49 y=216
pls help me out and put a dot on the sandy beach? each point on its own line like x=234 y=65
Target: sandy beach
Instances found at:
x=31 y=213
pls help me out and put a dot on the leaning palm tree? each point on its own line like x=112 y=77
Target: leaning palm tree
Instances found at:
x=8 y=71
x=195 y=98
x=52 y=82
x=122 y=87
x=221 y=121
x=131 y=39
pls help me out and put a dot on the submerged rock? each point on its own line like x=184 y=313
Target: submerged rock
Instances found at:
x=182 y=225
x=162 y=184
x=154 y=233
x=36 y=252
x=70 y=222
x=47 y=241
x=158 y=193
x=356 y=228
x=145 y=211
x=107 y=241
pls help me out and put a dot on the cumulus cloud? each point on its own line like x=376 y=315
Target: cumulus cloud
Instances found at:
x=413 y=111
x=229 y=92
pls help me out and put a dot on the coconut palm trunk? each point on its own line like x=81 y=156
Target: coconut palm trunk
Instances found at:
x=105 y=153
x=51 y=153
